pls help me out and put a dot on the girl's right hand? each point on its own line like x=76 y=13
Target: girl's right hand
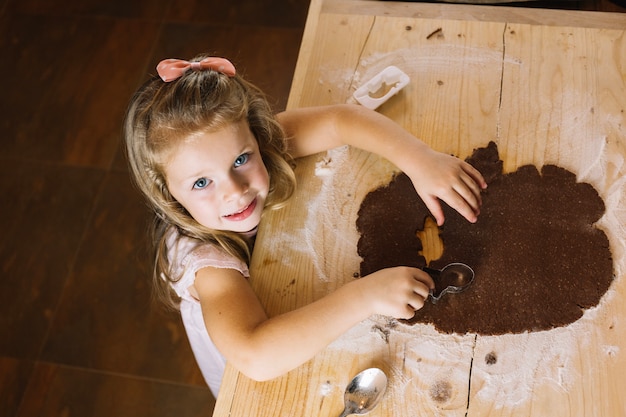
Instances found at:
x=265 y=347
x=397 y=292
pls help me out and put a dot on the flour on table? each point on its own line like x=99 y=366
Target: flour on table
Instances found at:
x=506 y=370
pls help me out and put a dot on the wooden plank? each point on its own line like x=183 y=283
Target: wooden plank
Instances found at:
x=333 y=61
x=534 y=16
x=304 y=55
x=456 y=72
x=563 y=104
x=316 y=253
x=546 y=94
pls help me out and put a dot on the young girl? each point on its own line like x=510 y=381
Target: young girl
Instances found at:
x=209 y=156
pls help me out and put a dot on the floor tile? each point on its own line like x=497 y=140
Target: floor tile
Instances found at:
x=285 y=13
x=71 y=79
x=63 y=391
x=149 y=9
x=45 y=209
x=106 y=319
x=265 y=56
x=14 y=376
x=616 y=6
x=120 y=162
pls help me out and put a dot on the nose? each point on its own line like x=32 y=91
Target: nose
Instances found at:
x=234 y=186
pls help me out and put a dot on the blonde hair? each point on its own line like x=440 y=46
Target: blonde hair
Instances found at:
x=162 y=114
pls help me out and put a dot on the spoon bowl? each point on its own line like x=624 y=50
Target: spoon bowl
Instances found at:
x=364 y=392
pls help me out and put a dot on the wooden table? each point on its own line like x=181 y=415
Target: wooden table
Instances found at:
x=548 y=87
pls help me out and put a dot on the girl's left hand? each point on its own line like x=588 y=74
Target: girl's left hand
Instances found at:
x=434 y=175
x=440 y=176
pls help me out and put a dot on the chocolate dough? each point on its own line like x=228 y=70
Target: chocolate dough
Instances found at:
x=538 y=258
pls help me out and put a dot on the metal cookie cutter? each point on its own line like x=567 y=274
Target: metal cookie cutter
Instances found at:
x=391 y=77
x=453 y=278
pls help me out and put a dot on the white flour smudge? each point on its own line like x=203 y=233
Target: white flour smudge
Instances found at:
x=518 y=364
x=507 y=369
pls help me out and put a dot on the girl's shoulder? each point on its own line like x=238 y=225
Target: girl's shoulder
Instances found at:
x=187 y=256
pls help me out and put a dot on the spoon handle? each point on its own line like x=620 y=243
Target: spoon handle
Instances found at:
x=345 y=412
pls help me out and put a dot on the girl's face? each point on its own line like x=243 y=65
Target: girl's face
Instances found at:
x=220 y=178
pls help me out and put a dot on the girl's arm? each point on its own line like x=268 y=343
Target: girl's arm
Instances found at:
x=434 y=175
x=263 y=348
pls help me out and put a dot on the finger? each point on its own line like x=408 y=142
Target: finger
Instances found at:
x=434 y=206
x=460 y=204
x=417 y=303
x=476 y=176
x=424 y=278
x=408 y=313
x=455 y=201
x=421 y=292
x=473 y=187
x=469 y=193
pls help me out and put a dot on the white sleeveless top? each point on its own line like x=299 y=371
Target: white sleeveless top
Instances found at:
x=187 y=256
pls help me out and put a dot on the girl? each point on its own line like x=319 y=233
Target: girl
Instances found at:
x=209 y=156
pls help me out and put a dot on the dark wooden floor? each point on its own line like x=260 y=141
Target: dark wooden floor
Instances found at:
x=78 y=333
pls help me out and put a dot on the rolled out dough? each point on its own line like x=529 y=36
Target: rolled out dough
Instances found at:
x=538 y=257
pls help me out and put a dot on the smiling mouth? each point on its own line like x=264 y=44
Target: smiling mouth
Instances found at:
x=242 y=214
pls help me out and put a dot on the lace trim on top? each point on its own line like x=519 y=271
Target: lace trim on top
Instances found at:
x=187 y=256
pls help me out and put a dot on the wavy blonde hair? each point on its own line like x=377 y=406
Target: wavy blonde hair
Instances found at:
x=162 y=114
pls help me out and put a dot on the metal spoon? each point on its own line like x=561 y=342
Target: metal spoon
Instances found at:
x=364 y=392
x=453 y=278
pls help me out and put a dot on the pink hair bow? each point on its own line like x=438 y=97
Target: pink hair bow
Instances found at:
x=171 y=69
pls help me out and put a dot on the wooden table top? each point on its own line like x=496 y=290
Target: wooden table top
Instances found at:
x=549 y=87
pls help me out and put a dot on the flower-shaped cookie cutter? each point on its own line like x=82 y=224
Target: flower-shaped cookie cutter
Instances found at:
x=391 y=77
x=452 y=278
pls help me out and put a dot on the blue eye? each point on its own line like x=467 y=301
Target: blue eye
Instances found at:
x=241 y=160
x=200 y=183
